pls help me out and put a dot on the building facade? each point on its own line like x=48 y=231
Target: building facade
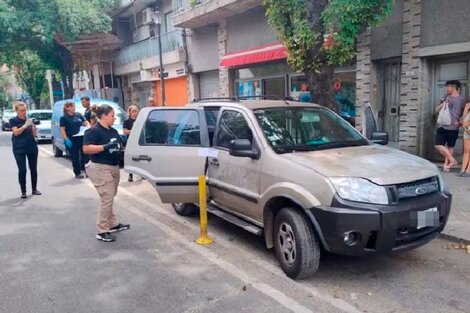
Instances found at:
x=137 y=64
x=402 y=66
x=234 y=52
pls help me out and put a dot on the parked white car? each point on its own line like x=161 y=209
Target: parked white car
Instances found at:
x=43 y=123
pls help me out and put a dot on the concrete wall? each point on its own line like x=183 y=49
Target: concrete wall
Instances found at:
x=386 y=38
x=248 y=30
x=444 y=22
x=203 y=49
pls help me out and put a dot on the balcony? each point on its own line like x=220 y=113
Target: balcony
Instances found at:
x=144 y=54
x=197 y=13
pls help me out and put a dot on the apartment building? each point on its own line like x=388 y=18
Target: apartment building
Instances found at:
x=402 y=66
x=234 y=52
x=137 y=64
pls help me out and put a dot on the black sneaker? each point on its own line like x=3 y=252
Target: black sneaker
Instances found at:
x=23 y=195
x=79 y=176
x=119 y=227
x=106 y=237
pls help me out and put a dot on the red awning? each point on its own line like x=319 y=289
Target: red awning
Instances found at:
x=266 y=53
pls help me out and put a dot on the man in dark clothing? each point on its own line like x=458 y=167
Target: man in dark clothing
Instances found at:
x=447 y=135
x=86 y=104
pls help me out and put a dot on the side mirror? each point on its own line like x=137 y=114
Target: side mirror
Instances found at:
x=243 y=148
x=380 y=138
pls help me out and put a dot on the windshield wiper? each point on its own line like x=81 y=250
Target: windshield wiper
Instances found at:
x=291 y=148
x=341 y=144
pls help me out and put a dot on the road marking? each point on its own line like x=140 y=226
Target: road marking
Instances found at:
x=244 y=276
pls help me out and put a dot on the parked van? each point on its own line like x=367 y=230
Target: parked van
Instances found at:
x=58 y=144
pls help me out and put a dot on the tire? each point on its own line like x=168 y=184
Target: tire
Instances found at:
x=185 y=209
x=295 y=244
x=56 y=151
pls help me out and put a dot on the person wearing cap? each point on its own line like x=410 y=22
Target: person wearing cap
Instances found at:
x=446 y=135
x=103 y=143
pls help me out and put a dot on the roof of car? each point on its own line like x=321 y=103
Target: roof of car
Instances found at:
x=255 y=104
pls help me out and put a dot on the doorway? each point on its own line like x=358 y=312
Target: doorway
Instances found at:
x=389 y=114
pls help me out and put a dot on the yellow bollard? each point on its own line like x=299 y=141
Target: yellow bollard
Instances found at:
x=203 y=239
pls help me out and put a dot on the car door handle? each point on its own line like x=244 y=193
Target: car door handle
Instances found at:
x=141 y=158
x=214 y=161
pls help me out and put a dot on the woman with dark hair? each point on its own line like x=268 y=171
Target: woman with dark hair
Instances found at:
x=132 y=112
x=25 y=147
x=103 y=143
x=70 y=124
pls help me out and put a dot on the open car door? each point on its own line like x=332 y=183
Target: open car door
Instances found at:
x=168 y=147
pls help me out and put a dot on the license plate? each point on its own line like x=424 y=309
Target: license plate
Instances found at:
x=426 y=218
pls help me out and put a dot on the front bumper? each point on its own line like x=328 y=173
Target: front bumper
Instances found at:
x=382 y=228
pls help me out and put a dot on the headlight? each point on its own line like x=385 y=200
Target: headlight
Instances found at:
x=360 y=190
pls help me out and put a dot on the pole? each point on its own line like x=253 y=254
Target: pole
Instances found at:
x=162 y=70
x=203 y=239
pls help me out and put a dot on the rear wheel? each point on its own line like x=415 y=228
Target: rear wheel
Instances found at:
x=56 y=151
x=185 y=209
x=295 y=243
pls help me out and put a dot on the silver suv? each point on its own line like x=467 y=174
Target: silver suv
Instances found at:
x=295 y=173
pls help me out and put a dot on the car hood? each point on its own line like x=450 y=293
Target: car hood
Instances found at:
x=44 y=125
x=381 y=165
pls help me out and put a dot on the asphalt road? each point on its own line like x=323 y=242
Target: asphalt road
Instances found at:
x=51 y=262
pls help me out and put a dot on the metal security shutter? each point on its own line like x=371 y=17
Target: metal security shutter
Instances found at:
x=209 y=84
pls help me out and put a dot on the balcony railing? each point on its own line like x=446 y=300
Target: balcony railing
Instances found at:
x=183 y=5
x=149 y=48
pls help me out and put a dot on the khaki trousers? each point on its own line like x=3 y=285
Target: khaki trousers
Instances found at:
x=105 y=178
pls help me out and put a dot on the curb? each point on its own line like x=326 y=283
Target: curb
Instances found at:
x=454 y=239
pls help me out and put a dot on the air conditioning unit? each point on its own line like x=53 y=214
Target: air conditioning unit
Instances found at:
x=147 y=16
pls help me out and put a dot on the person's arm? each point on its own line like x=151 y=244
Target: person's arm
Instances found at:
x=126 y=131
x=63 y=133
x=34 y=130
x=19 y=130
x=90 y=146
x=93 y=149
x=86 y=123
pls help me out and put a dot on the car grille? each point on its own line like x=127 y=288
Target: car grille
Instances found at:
x=417 y=188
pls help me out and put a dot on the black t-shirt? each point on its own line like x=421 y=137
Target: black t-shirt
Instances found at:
x=128 y=124
x=87 y=114
x=24 y=143
x=72 y=123
x=98 y=135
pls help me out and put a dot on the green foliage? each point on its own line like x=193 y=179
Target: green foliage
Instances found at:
x=30 y=72
x=346 y=19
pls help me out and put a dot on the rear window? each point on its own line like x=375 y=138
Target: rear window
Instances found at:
x=172 y=127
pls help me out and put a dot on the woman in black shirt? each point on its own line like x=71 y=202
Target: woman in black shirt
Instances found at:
x=132 y=112
x=103 y=143
x=25 y=147
x=70 y=124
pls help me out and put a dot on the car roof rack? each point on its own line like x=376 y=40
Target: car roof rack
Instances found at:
x=266 y=97
x=228 y=99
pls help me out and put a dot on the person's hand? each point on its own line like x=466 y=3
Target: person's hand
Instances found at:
x=28 y=123
x=68 y=143
x=111 y=145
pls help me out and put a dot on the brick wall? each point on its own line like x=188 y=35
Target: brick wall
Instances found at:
x=224 y=78
x=411 y=75
x=363 y=75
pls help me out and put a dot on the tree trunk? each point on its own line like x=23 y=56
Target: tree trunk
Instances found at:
x=321 y=86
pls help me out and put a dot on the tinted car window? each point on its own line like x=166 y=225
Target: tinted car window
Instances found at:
x=40 y=116
x=172 y=127
x=232 y=126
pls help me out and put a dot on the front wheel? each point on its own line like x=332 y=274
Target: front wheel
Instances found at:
x=185 y=209
x=295 y=243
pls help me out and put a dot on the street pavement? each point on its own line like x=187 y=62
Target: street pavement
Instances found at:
x=458 y=226
x=51 y=262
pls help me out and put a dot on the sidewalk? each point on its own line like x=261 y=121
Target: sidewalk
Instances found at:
x=458 y=225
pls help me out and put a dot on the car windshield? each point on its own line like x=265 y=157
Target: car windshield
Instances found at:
x=41 y=116
x=306 y=129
